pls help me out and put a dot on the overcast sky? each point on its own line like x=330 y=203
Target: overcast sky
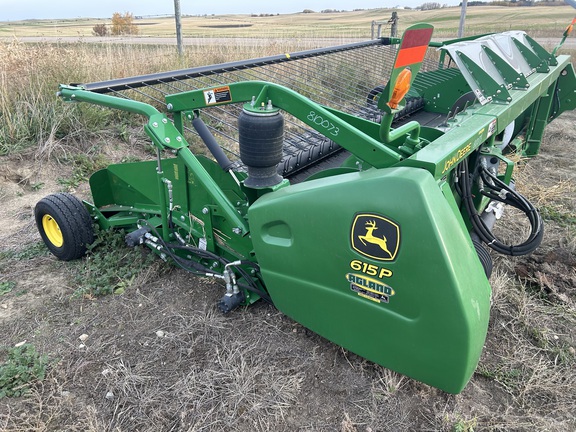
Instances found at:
x=11 y=10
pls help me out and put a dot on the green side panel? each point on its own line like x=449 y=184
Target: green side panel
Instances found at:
x=441 y=88
x=489 y=86
x=535 y=62
x=131 y=184
x=124 y=193
x=541 y=52
x=538 y=121
x=136 y=184
x=511 y=76
x=378 y=263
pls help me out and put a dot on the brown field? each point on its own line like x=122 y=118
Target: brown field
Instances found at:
x=539 y=21
x=157 y=356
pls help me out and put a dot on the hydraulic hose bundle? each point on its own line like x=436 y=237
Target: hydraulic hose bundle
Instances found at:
x=151 y=237
x=492 y=187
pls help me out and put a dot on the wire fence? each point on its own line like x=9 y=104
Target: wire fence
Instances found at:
x=343 y=77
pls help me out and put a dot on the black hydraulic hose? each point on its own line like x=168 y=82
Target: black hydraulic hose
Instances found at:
x=498 y=191
x=263 y=295
x=251 y=264
x=198 y=269
x=197 y=251
x=209 y=255
x=193 y=266
x=212 y=144
x=189 y=265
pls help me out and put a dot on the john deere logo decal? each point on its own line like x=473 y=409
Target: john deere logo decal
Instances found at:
x=375 y=236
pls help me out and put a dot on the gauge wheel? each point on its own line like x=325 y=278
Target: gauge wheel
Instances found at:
x=65 y=225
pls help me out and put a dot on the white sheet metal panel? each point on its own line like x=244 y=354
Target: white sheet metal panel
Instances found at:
x=503 y=45
x=510 y=52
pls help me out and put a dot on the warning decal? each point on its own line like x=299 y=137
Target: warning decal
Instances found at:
x=217 y=95
x=491 y=128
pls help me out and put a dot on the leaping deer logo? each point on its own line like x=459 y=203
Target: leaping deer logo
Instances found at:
x=371 y=238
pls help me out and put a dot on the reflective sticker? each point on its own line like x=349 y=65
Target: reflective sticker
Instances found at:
x=481 y=98
x=413 y=48
x=378 y=298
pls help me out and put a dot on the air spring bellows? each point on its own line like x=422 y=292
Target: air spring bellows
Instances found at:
x=261 y=136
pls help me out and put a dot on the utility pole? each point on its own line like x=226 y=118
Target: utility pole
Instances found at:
x=177 y=17
x=462 y=19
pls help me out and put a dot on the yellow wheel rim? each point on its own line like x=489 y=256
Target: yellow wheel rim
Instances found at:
x=52 y=230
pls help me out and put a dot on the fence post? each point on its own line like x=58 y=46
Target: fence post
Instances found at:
x=462 y=19
x=376 y=27
x=177 y=17
x=394 y=24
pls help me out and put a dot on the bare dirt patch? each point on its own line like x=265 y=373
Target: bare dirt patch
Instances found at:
x=160 y=357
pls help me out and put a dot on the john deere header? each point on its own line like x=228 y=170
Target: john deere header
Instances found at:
x=354 y=187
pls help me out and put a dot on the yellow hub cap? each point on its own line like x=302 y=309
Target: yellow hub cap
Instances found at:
x=52 y=230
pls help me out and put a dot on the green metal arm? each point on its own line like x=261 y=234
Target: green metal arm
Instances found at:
x=565 y=35
x=388 y=135
x=164 y=136
x=314 y=115
x=71 y=94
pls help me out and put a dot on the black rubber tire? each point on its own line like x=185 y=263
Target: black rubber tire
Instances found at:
x=73 y=222
x=484 y=256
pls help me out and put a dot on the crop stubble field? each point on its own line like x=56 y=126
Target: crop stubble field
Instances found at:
x=156 y=356
x=539 y=21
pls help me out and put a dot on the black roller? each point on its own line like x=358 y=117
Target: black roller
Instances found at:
x=261 y=137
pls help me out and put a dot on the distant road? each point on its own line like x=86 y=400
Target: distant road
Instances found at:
x=198 y=41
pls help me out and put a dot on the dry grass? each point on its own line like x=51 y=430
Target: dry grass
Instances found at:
x=31 y=116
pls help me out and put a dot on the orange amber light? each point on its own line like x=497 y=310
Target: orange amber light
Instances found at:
x=569 y=28
x=400 y=88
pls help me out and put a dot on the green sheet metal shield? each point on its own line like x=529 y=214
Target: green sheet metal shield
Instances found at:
x=378 y=263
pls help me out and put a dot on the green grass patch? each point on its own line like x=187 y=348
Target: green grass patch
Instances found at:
x=21 y=368
x=557 y=350
x=31 y=251
x=6 y=287
x=465 y=425
x=507 y=376
x=563 y=218
x=110 y=267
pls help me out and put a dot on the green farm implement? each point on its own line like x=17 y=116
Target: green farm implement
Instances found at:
x=355 y=187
